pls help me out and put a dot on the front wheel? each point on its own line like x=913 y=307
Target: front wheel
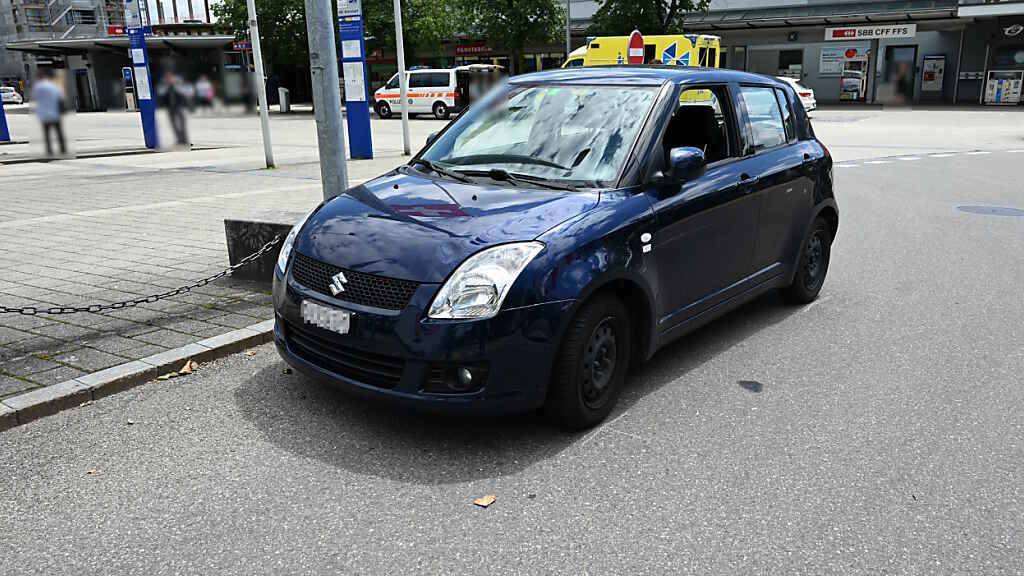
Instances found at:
x=591 y=366
x=441 y=111
x=383 y=110
x=812 y=266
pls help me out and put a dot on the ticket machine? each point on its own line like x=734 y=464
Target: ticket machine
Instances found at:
x=129 y=89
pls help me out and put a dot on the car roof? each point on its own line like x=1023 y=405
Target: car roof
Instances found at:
x=647 y=75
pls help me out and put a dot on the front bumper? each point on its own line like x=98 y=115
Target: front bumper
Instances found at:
x=396 y=354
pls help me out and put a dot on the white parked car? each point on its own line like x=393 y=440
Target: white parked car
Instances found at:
x=10 y=95
x=805 y=93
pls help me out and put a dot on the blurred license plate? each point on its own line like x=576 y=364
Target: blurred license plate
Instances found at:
x=325 y=317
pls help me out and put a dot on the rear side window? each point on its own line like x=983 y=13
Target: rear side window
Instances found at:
x=767 y=128
x=787 y=116
x=428 y=80
x=418 y=80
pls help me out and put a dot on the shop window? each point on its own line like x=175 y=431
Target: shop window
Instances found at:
x=1009 y=56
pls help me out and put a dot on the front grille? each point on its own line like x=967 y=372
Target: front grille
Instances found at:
x=367 y=367
x=361 y=288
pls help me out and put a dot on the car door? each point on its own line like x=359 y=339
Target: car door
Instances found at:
x=705 y=229
x=779 y=166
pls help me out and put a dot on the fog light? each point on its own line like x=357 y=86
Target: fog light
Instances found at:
x=465 y=379
x=454 y=379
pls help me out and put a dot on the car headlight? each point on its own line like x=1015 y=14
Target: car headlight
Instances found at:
x=286 y=247
x=478 y=286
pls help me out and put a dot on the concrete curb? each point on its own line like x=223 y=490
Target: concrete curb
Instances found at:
x=41 y=402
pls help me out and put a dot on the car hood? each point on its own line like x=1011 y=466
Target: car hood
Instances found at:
x=416 y=228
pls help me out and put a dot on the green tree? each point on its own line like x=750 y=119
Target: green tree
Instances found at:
x=282 y=28
x=513 y=24
x=620 y=17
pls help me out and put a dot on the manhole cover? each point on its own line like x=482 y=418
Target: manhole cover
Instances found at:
x=991 y=210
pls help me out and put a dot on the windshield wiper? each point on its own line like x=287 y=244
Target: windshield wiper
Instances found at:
x=520 y=179
x=442 y=171
x=502 y=159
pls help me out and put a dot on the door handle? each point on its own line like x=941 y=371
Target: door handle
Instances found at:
x=747 y=179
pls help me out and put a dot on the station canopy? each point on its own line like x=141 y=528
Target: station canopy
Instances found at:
x=78 y=46
x=822 y=14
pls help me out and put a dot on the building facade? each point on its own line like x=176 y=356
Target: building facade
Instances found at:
x=881 y=51
x=85 y=42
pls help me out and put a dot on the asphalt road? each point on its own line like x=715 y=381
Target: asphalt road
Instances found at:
x=879 y=430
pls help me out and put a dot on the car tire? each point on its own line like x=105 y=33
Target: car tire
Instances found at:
x=441 y=111
x=591 y=366
x=812 y=266
x=383 y=110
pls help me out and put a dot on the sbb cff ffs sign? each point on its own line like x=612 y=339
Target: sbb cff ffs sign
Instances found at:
x=871 y=32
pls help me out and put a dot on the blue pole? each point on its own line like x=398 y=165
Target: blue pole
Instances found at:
x=353 y=64
x=140 y=65
x=5 y=134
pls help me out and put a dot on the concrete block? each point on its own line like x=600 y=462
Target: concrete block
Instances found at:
x=247 y=236
x=50 y=400
x=118 y=378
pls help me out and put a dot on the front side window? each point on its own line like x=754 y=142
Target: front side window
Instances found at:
x=767 y=128
x=577 y=134
x=700 y=122
x=393 y=83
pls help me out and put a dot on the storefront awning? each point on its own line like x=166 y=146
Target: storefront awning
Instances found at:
x=155 y=43
x=820 y=14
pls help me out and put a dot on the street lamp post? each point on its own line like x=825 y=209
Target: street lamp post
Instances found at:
x=403 y=88
x=261 y=81
x=568 y=28
x=323 y=68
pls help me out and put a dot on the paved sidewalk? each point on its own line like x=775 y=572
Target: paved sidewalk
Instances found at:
x=102 y=230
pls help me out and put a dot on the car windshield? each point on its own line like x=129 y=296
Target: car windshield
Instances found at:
x=575 y=134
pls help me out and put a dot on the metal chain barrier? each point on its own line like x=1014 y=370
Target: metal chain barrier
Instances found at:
x=33 y=310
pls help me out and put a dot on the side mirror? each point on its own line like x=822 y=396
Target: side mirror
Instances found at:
x=684 y=164
x=433 y=136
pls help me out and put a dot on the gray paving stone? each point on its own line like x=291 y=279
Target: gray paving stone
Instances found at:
x=111 y=343
x=10 y=385
x=8 y=334
x=55 y=375
x=166 y=338
x=27 y=365
x=67 y=332
x=40 y=345
x=89 y=359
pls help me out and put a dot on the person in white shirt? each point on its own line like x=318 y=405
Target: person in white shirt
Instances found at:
x=49 y=103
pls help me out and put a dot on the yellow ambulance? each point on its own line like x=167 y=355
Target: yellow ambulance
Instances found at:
x=669 y=49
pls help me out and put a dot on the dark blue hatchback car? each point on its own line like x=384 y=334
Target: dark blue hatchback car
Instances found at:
x=568 y=225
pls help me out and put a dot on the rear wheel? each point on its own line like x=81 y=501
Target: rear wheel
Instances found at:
x=591 y=366
x=441 y=111
x=812 y=266
x=383 y=110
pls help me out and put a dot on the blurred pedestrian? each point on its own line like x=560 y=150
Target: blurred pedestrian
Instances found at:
x=205 y=93
x=175 y=95
x=49 y=108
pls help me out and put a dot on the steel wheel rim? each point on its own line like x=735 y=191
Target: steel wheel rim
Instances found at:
x=814 y=262
x=600 y=360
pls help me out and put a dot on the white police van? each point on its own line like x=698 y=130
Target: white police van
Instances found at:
x=437 y=91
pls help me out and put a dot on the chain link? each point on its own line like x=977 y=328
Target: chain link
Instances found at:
x=34 y=310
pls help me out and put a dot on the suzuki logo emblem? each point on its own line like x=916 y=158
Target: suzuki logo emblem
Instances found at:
x=338 y=282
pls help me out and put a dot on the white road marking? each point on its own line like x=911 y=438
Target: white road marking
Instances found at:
x=848 y=165
x=978 y=153
x=909 y=158
x=879 y=162
x=1016 y=151
x=942 y=155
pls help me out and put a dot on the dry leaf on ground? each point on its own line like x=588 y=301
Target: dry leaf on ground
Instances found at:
x=189 y=367
x=485 y=501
